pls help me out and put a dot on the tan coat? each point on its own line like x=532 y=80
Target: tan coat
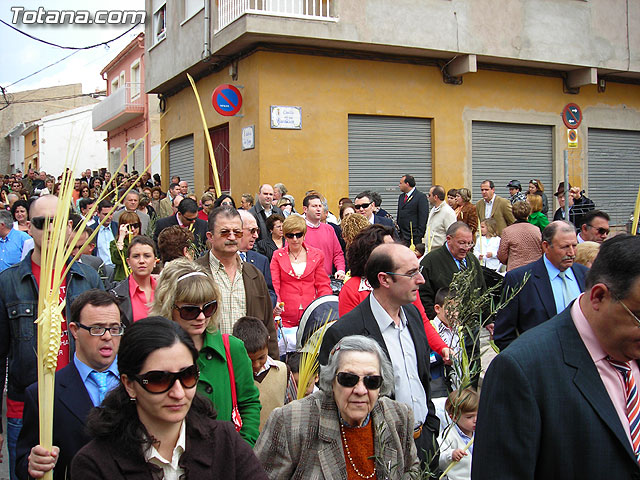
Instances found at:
x=501 y=213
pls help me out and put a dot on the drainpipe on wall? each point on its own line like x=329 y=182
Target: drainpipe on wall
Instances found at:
x=207 y=30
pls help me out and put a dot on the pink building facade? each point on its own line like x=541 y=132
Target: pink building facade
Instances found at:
x=124 y=114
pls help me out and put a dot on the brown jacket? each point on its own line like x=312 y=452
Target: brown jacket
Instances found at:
x=520 y=244
x=222 y=454
x=257 y=299
x=469 y=215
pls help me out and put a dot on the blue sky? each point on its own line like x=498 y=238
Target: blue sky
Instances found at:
x=22 y=56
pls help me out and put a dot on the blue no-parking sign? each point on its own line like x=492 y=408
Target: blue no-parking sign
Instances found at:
x=226 y=100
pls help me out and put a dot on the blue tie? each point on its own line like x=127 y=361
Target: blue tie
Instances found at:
x=100 y=379
x=243 y=256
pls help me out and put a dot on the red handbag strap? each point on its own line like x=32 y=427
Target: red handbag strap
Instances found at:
x=232 y=378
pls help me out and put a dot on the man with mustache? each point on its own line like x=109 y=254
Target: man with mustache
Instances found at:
x=241 y=285
x=554 y=283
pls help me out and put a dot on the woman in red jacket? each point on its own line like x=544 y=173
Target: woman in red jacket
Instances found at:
x=297 y=272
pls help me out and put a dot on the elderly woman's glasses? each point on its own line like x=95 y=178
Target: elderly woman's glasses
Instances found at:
x=191 y=312
x=158 y=381
x=350 y=380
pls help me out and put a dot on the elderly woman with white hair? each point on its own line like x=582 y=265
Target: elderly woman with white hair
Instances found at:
x=349 y=425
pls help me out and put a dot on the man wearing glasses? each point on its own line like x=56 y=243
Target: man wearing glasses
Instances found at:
x=555 y=281
x=365 y=205
x=595 y=227
x=81 y=385
x=241 y=285
x=561 y=401
x=187 y=217
x=388 y=317
x=19 y=286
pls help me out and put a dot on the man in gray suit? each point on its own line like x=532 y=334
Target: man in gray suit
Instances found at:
x=554 y=404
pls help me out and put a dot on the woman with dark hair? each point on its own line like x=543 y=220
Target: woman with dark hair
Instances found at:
x=536 y=187
x=273 y=242
x=136 y=291
x=466 y=211
x=20 y=214
x=224 y=199
x=129 y=226
x=357 y=288
x=154 y=425
x=520 y=243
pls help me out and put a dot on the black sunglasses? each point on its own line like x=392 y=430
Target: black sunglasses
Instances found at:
x=158 y=381
x=191 y=312
x=38 y=222
x=297 y=235
x=350 y=380
x=133 y=226
x=600 y=230
x=362 y=205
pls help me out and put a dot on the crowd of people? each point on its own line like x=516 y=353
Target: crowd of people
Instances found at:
x=180 y=356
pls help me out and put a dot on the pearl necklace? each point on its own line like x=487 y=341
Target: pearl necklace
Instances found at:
x=355 y=469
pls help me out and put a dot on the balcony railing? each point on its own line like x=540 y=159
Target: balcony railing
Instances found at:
x=230 y=10
x=123 y=105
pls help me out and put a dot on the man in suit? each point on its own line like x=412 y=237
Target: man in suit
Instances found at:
x=247 y=254
x=239 y=282
x=365 y=205
x=131 y=201
x=95 y=326
x=388 y=316
x=554 y=404
x=106 y=233
x=554 y=283
x=441 y=264
x=264 y=208
x=187 y=217
x=494 y=206
x=413 y=211
x=165 y=207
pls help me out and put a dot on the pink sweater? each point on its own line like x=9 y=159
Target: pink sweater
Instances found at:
x=324 y=238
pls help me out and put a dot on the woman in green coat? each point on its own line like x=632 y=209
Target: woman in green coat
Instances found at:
x=128 y=227
x=536 y=217
x=189 y=296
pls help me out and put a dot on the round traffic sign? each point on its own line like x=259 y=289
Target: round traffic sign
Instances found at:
x=572 y=115
x=226 y=100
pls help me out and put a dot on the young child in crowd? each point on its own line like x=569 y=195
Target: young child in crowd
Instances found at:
x=272 y=377
x=293 y=362
x=487 y=248
x=420 y=249
x=443 y=377
x=462 y=407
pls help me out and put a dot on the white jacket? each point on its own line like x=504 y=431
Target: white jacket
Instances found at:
x=451 y=442
x=440 y=219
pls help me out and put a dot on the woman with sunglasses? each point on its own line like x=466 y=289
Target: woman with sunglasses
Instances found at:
x=536 y=187
x=298 y=274
x=347 y=426
x=190 y=297
x=128 y=227
x=154 y=424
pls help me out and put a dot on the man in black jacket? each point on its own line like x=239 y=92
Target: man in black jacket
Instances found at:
x=579 y=205
x=413 y=211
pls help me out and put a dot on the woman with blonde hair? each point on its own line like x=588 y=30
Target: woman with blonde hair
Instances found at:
x=537 y=218
x=189 y=296
x=586 y=253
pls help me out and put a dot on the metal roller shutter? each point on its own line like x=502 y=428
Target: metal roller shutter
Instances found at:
x=181 y=159
x=511 y=151
x=614 y=171
x=382 y=149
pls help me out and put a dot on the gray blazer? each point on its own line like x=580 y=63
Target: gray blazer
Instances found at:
x=302 y=440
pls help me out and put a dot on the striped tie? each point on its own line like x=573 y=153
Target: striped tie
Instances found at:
x=633 y=403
